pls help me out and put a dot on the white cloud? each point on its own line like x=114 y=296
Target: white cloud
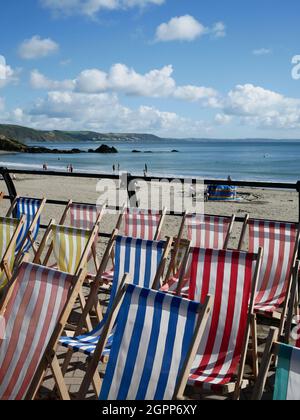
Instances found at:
x=102 y=112
x=92 y=7
x=92 y=81
x=218 y=30
x=223 y=119
x=262 y=108
x=157 y=83
x=7 y=74
x=181 y=28
x=36 y=47
x=262 y=51
x=39 y=81
x=187 y=28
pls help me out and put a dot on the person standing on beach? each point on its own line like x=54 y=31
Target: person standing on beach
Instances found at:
x=118 y=167
x=146 y=169
x=114 y=169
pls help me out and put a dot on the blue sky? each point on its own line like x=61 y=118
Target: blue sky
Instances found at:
x=177 y=68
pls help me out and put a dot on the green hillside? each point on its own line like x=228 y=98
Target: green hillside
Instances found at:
x=25 y=134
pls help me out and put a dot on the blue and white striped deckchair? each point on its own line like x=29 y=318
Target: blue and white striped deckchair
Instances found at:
x=287 y=384
x=287 y=380
x=31 y=209
x=139 y=258
x=155 y=340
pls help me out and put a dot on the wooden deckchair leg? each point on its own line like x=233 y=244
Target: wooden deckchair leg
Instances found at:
x=67 y=361
x=265 y=366
x=254 y=345
x=97 y=382
x=59 y=380
x=88 y=321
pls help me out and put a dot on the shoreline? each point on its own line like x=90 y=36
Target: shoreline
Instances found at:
x=59 y=169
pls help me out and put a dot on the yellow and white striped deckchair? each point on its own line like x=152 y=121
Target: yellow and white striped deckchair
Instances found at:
x=69 y=245
x=9 y=231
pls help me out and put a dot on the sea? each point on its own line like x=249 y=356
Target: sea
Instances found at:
x=251 y=160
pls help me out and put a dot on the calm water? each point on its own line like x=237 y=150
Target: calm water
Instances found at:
x=243 y=160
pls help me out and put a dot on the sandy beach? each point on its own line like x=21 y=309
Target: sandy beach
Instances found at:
x=259 y=203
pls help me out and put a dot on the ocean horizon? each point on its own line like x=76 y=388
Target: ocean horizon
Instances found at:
x=252 y=160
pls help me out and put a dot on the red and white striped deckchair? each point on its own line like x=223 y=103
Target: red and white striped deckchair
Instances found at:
x=35 y=310
x=280 y=242
x=143 y=224
x=230 y=277
x=204 y=231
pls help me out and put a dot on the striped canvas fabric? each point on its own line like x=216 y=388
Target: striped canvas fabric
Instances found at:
x=141 y=224
x=136 y=257
x=207 y=231
x=8 y=227
x=68 y=247
x=27 y=207
x=84 y=216
x=34 y=309
x=278 y=241
x=287 y=383
x=154 y=332
x=227 y=277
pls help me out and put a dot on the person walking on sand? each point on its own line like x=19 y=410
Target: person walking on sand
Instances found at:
x=114 y=168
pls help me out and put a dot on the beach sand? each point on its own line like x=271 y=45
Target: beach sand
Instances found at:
x=259 y=203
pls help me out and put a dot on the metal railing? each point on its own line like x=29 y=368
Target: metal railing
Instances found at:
x=12 y=192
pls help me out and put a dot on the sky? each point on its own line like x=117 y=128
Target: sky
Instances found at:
x=174 y=68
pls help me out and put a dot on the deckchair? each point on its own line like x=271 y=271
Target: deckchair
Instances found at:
x=203 y=231
x=280 y=241
x=84 y=216
x=69 y=246
x=70 y=249
x=141 y=224
x=30 y=208
x=155 y=340
x=287 y=381
x=9 y=232
x=230 y=277
x=144 y=261
x=35 y=309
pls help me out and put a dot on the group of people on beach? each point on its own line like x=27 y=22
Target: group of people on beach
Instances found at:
x=70 y=168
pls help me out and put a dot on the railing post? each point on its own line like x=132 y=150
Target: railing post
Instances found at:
x=12 y=192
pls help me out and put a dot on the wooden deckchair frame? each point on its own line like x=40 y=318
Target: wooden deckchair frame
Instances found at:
x=271 y=350
x=49 y=359
x=183 y=243
x=32 y=225
x=183 y=376
x=4 y=264
x=281 y=317
x=93 y=298
x=236 y=387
